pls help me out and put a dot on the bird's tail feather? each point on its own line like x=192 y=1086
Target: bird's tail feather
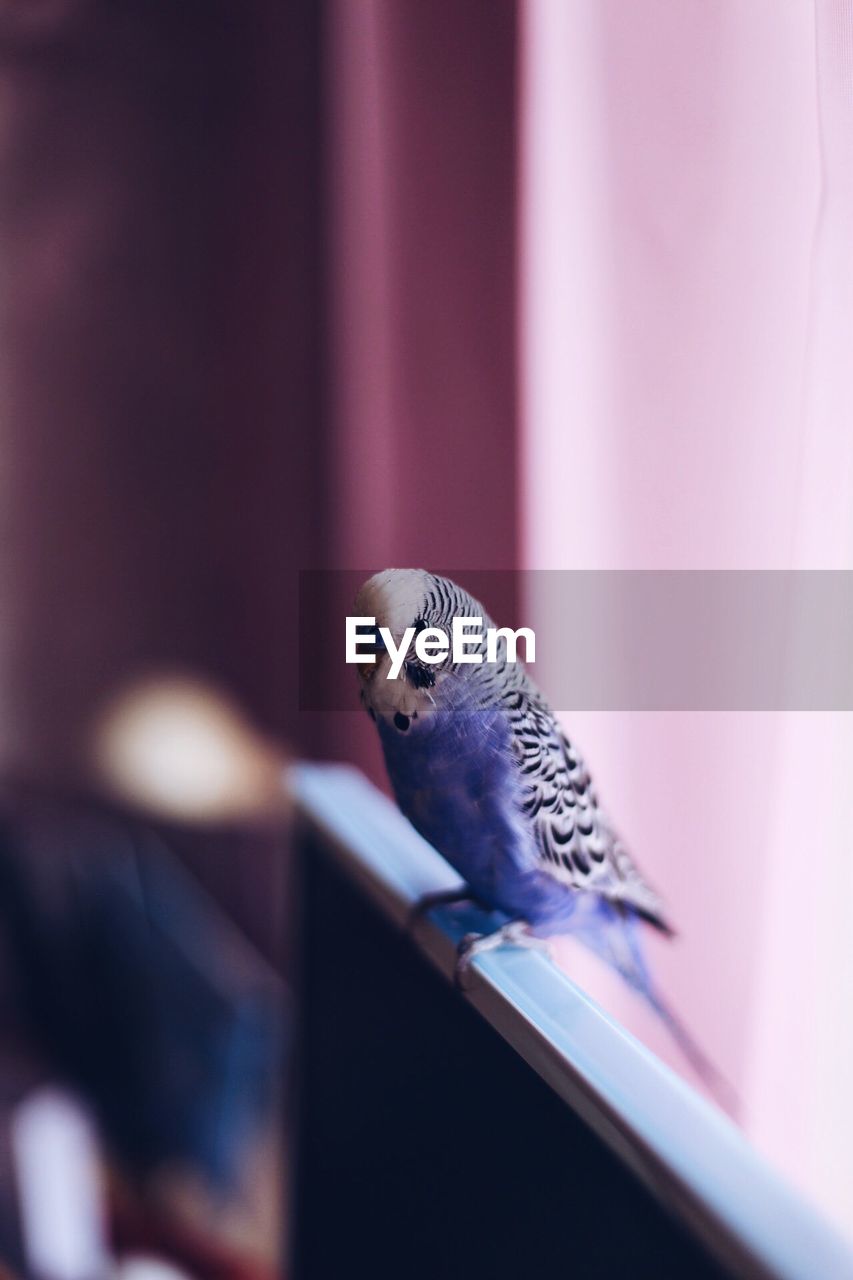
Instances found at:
x=717 y=1084
x=618 y=943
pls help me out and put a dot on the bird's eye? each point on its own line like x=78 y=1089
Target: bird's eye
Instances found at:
x=419 y=677
x=420 y=624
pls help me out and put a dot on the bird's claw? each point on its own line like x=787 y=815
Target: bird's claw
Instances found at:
x=516 y=933
x=465 y=952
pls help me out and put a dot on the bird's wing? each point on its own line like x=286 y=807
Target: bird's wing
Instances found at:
x=574 y=841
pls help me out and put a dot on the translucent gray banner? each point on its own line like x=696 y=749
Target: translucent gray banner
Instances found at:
x=633 y=640
x=694 y=640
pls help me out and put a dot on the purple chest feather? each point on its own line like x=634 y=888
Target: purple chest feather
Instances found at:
x=455 y=778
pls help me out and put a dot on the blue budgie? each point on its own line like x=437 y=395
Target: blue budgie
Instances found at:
x=484 y=771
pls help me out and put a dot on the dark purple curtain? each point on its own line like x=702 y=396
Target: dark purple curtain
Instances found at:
x=256 y=317
x=159 y=237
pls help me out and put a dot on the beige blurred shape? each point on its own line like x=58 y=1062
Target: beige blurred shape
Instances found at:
x=179 y=747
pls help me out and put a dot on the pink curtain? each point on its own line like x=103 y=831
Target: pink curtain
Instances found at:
x=803 y=1043
x=686 y=254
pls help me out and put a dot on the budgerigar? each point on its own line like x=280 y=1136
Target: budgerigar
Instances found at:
x=482 y=768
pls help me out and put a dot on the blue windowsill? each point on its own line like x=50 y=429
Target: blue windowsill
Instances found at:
x=686 y=1151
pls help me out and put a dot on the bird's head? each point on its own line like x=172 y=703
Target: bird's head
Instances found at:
x=403 y=600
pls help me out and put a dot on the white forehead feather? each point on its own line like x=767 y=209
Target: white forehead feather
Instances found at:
x=394 y=598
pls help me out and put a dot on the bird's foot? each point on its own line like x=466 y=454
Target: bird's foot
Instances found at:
x=429 y=901
x=517 y=933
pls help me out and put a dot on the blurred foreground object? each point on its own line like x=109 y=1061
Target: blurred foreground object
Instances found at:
x=177 y=747
x=63 y=1218
x=128 y=986
x=135 y=988
x=73 y=1227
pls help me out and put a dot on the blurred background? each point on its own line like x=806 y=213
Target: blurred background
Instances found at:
x=470 y=285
